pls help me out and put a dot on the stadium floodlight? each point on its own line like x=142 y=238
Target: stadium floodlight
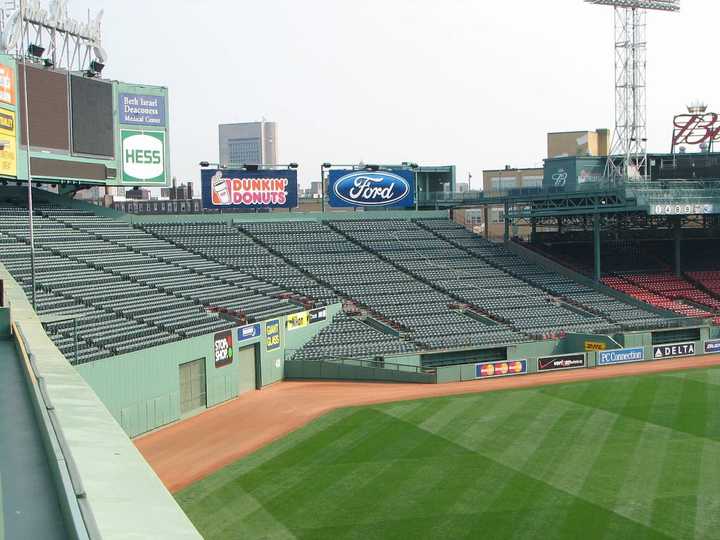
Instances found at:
x=36 y=51
x=97 y=67
x=629 y=140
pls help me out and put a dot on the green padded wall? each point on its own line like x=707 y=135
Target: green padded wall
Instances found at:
x=142 y=389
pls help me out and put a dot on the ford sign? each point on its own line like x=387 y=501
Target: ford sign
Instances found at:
x=370 y=189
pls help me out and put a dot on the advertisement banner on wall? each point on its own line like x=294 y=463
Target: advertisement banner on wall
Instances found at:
x=591 y=174
x=371 y=189
x=248 y=332
x=317 y=315
x=712 y=346
x=8 y=154
x=223 y=348
x=141 y=109
x=297 y=320
x=230 y=188
x=7 y=84
x=674 y=350
x=272 y=335
x=487 y=370
x=595 y=346
x=621 y=356
x=143 y=156
x=561 y=361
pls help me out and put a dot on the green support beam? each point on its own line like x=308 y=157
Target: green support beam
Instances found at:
x=677 y=233
x=506 y=217
x=596 y=247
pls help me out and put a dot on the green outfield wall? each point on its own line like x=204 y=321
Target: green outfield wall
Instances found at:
x=672 y=346
x=141 y=389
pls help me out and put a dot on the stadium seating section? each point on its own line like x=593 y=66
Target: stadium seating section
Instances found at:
x=644 y=271
x=406 y=286
x=123 y=288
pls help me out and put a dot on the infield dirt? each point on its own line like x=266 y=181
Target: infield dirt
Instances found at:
x=189 y=450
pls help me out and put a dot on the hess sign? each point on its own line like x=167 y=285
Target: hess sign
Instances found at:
x=371 y=189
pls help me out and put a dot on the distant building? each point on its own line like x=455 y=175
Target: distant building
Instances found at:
x=181 y=192
x=498 y=182
x=93 y=193
x=140 y=194
x=578 y=143
x=316 y=189
x=252 y=143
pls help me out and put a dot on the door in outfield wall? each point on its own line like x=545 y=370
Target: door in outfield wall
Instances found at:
x=193 y=387
x=248 y=368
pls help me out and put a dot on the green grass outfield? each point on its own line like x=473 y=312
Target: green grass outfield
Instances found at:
x=628 y=458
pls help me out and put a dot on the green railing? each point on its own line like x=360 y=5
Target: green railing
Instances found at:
x=675 y=192
x=358 y=369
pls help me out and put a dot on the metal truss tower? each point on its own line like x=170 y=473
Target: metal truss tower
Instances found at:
x=627 y=158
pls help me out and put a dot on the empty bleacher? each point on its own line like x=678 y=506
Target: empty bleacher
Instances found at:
x=420 y=313
x=106 y=287
x=127 y=289
x=642 y=270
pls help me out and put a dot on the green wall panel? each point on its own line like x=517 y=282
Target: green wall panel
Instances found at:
x=141 y=389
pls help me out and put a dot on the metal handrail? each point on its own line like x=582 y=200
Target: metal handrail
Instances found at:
x=377 y=364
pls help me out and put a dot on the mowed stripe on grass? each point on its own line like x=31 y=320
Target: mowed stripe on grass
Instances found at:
x=633 y=458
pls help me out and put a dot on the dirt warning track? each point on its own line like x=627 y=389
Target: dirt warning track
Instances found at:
x=191 y=449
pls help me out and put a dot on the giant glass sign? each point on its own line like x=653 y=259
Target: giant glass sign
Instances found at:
x=370 y=189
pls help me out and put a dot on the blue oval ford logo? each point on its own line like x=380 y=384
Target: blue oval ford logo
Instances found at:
x=371 y=188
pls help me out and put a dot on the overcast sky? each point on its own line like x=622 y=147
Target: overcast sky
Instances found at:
x=472 y=83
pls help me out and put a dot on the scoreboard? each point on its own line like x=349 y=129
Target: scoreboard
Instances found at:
x=82 y=129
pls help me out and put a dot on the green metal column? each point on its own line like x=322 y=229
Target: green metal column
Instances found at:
x=559 y=225
x=533 y=229
x=596 y=247
x=677 y=229
x=507 y=222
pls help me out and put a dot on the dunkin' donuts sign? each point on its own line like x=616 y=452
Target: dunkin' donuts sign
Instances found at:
x=227 y=188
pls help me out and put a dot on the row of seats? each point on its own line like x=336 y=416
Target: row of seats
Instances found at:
x=127 y=289
x=387 y=293
x=617 y=315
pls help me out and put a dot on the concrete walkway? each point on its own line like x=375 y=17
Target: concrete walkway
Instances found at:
x=28 y=501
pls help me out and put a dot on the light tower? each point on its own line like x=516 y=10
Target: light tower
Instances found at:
x=629 y=141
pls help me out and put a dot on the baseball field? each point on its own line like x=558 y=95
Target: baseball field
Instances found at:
x=627 y=458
